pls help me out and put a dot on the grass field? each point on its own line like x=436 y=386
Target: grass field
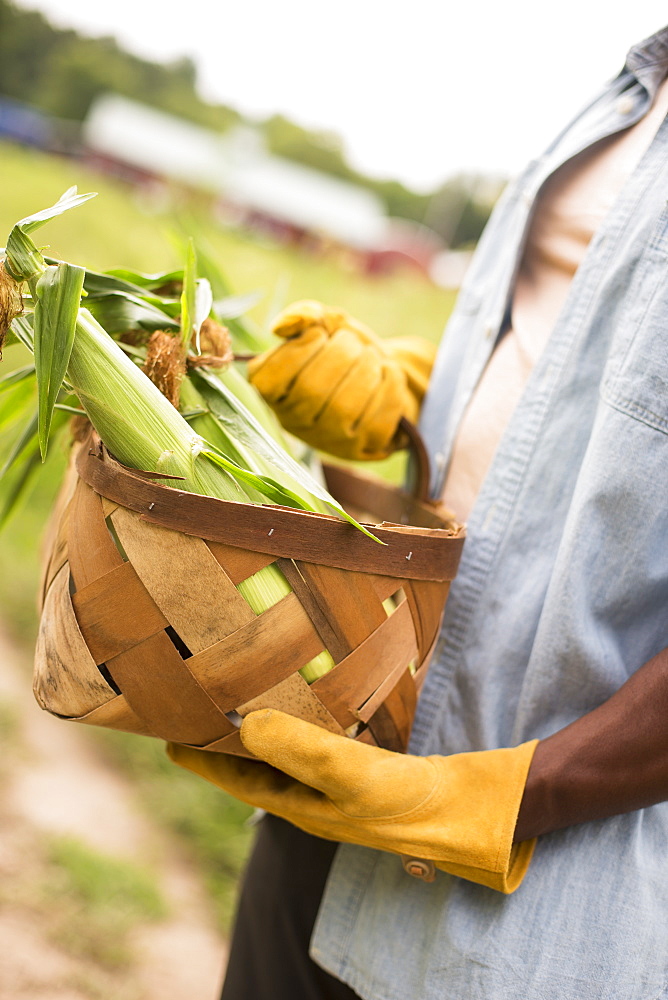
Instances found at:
x=113 y=230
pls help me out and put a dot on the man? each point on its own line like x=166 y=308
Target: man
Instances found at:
x=547 y=420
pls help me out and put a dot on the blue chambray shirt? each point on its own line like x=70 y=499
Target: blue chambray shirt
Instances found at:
x=562 y=593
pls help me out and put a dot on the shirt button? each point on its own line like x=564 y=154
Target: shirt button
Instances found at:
x=625 y=105
x=419 y=868
x=490 y=329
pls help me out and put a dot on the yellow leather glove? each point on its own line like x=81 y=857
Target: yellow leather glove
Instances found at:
x=458 y=811
x=337 y=386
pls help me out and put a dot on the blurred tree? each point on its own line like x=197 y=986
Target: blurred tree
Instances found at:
x=62 y=72
x=459 y=209
x=317 y=149
x=26 y=41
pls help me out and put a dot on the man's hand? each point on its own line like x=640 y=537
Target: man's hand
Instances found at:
x=458 y=811
x=337 y=386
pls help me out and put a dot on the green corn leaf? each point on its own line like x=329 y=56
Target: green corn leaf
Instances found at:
x=279 y=494
x=12 y=496
x=188 y=296
x=268 y=487
x=243 y=425
x=98 y=283
x=120 y=311
x=27 y=435
x=233 y=379
x=56 y=310
x=224 y=430
x=148 y=282
x=74 y=410
x=209 y=268
x=246 y=337
x=196 y=300
x=15 y=485
x=70 y=199
x=203 y=304
x=22 y=326
x=24 y=261
x=16 y=401
x=244 y=333
x=135 y=351
x=18 y=375
x=170 y=307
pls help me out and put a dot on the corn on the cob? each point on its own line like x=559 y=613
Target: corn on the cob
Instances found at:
x=135 y=421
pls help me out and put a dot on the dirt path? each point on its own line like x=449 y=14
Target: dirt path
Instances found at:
x=53 y=782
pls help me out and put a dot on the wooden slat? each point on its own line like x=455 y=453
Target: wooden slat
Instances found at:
x=295 y=697
x=265 y=651
x=116 y=714
x=385 y=586
x=54 y=540
x=239 y=564
x=108 y=506
x=66 y=680
x=91 y=549
x=226 y=744
x=116 y=612
x=353 y=681
x=161 y=690
x=369 y=708
x=55 y=551
x=420 y=674
x=348 y=602
x=366 y=736
x=391 y=722
x=184 y=579
x=427 y=603
x=311 y=601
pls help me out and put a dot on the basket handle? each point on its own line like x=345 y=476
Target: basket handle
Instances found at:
x=419 y=461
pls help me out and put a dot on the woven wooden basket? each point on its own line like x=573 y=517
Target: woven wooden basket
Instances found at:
x=143 y=629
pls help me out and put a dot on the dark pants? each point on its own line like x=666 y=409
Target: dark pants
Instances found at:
x=279 y=902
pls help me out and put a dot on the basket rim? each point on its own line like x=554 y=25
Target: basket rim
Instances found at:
x=408 y=552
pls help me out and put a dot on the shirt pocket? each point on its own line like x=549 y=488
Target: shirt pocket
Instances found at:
x=636 y=378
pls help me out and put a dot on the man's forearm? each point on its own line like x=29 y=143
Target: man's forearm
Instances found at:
x=612 y=760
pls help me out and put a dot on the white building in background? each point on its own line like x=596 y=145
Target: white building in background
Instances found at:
x=148 y=144
x=153 y=143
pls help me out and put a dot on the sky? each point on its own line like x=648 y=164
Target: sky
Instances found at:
x=418 y=90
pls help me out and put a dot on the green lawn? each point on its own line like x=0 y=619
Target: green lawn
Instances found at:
x=116 y=229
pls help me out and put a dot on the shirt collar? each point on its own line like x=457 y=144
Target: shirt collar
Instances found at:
x=648 y=60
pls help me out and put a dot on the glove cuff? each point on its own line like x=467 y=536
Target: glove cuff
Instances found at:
x=495 y=795
x=505 y=881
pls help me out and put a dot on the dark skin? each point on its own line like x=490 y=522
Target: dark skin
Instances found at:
x=612 y=760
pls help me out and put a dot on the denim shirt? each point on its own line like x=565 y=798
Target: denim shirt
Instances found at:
x=561 y=594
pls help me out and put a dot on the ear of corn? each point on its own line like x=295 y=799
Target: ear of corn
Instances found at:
x=235 y=461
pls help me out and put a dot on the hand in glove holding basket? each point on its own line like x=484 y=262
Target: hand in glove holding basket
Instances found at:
x=336 y=385
x=459 y=811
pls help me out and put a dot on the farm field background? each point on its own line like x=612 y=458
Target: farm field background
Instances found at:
x=118 y=229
